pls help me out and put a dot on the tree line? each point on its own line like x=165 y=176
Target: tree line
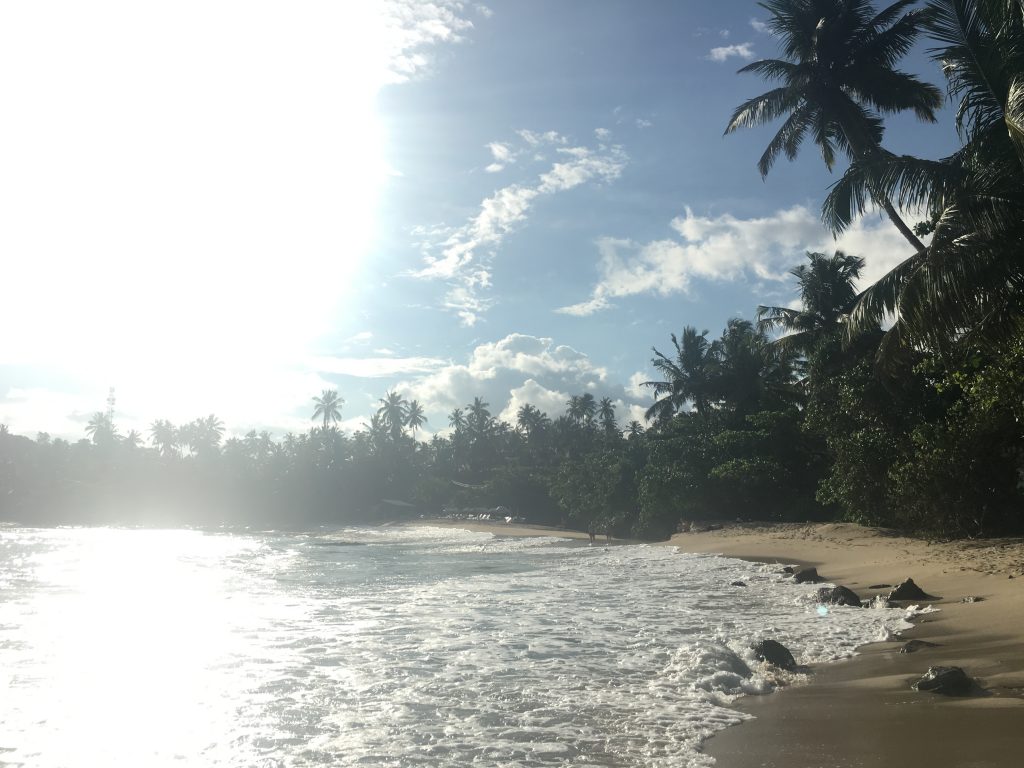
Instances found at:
x=900 y=405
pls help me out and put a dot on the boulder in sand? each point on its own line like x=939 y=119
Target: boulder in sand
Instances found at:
x=908 y=590
x=738 y=584
x=806 y=575
x=775 y=653
x=838 y=596
x=949 y=681
x=913 y=646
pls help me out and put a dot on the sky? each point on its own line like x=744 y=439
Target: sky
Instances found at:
x=227 y=207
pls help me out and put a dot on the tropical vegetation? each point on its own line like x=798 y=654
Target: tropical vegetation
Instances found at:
x=899 y=403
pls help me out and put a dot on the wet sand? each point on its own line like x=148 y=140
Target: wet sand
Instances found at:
x=862 y=712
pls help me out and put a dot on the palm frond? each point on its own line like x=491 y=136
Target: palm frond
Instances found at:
x=762 y=109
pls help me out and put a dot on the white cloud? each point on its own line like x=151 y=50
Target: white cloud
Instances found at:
x=641 y=123
x=415 y=27
x=512 y=371
x=759 y=26
x=483 y=10
x=502 y=155
x=723 y=33
x=725 y=52
x=603 y=134
x=466 y=251
x=726 y=248
x=634 y=387
x=375 y=367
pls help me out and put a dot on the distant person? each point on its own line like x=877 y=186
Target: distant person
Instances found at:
x=592 y=530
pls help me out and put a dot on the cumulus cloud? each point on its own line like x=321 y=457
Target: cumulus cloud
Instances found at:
x=513 y=371
x=461 y=256
x=727 y=248
x=726 y=52
x=759 y=26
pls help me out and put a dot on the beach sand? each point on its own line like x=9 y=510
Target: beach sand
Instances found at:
x=862 y=712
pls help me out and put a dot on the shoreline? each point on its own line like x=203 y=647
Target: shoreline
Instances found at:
x=862 y=711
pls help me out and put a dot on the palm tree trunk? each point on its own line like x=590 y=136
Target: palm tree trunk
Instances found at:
x=901 y=225
x=866 y=153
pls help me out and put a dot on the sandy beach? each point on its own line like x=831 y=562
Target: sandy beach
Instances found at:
x=862 y=712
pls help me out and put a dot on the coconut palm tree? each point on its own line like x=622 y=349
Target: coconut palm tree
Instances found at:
x=203 y=435
x=749 y=374
x=101 y=429
x=414 y=416
x=457 y=419
x=970 y=284
x=328 y=407
x=392 y=412
x=606 y=415
x=572 y=409
x=479 y=419
x=687 y=377
x=164 y=437
x=827 y=294
x=132 y=440
x=634 y=430
x=836 y=78
x=588 y=408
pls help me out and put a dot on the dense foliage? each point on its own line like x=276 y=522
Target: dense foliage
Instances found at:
x=902 y=405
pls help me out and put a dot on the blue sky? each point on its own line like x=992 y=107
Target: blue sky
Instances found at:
x=229 y=207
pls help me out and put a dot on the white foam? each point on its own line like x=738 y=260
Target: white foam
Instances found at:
x=430 y=646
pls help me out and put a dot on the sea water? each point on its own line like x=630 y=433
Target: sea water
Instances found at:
x=402 y=646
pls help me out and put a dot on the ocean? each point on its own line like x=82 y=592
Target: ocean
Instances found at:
x=396 y=646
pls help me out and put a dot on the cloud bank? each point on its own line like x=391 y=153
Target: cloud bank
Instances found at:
x=727 y=248
x=516 y=370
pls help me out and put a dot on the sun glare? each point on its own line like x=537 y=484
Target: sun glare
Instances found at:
x=187 y=188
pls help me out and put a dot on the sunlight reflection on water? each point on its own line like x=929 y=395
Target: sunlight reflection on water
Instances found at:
x=420 y=647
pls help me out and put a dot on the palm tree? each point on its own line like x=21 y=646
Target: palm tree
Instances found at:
x=687 y=377
x=457 y=419
x=392 y=411
x=573 y=410
x=606 y=414
x=749 y=372
x=101 y=428
x=588 y=408
x=164 y=437
x=132 y=440
x=531 y=420
x=414 y=417
x=634 y=430
x=970 y=284
x=827 y=293
x=479 y=419
x=203 y=435
x=836 y=78
x=328 y=407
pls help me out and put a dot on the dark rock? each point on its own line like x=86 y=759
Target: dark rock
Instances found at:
x=949 y=681
x=788 y=569
x=775 y=653
x=908 y=590
x=838 y=596
x=971 y=599
x=806 y=576
x=912 y=646
x=880 y=586
x=738 y=584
